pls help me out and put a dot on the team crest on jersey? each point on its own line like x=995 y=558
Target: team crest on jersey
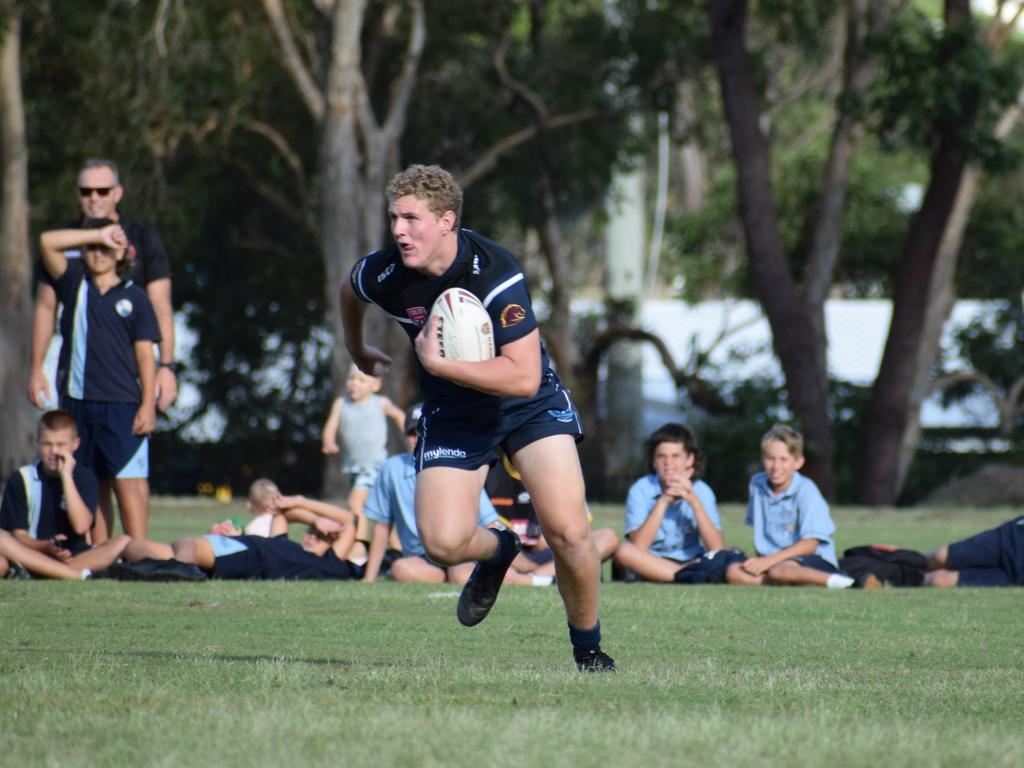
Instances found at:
x=512 y=315
x=124 y=307
x=417 y=314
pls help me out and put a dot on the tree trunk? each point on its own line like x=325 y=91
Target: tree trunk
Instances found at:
x=16 y=413
x=922 y=299
x=798 y=343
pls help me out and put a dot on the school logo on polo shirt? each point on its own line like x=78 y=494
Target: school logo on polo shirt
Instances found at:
x=124 y=307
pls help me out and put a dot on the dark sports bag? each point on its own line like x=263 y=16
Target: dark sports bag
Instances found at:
x=710 y=568
x=894 y=566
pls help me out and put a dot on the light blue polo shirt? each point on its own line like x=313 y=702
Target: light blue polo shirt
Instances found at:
x=677 y=537
x=801 y=512
x=392 y=501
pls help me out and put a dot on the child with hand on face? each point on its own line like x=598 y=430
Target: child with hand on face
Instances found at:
x=671 y=514
x=48 y=508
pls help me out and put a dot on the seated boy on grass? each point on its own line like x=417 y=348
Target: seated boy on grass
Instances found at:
x=792 y=526
x=48 y=508
x=330 y=531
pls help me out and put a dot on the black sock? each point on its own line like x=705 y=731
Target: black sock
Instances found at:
x=501 y=551
x=585 y=639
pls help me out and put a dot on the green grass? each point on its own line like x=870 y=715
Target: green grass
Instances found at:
x=340 y=674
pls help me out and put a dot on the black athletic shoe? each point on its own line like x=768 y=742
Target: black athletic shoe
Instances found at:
x=593 y=661
x=150 y=569
x=481 y=590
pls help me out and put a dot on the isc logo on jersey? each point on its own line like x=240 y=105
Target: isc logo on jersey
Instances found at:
x=386 y=273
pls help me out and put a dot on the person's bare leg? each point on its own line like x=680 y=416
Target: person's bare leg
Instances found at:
x=139 y=549
x=196 y=551
x=447 y=506
x=606 y=541
x=938 y=559
x=551 y=472
x=103 y=525
x=941 y=578
x=356 y=501
x=133 y=501
x=416 y=570
x=647 y=566
x=791 y=574
x=102 y=555
x=35 y=561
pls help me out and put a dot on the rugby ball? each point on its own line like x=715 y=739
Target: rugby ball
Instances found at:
x=464 y=328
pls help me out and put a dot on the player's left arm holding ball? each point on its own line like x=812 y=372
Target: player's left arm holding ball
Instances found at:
x=514 y=372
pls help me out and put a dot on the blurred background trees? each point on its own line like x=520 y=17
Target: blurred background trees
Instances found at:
x=792 y=151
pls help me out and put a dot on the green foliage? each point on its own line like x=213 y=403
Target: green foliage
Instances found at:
x=705 y=248
x=939 y=81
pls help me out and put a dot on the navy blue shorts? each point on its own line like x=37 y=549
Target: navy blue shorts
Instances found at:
x=469 y=437
x=993 y=558
x=817 y=562
x=542 y=557
x=108 y=446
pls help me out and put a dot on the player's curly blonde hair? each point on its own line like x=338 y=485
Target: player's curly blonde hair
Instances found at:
x=433 y=185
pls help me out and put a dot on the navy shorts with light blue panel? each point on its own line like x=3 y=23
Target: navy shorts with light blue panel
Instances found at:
x=107 y=443
x=993 y=558
x=468 y=437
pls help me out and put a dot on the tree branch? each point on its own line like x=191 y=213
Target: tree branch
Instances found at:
x=284 y=148
x=305 y=82
x=490 y=158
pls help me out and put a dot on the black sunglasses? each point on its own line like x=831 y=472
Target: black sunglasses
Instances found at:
x=87 y=191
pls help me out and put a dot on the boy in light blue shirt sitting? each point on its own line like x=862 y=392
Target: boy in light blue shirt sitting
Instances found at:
x=792 y=526
x=392 y=502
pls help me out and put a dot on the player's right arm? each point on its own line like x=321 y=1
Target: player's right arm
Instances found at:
x=44 y=318
x=52 y=244
x=368 y=359
x=645 y=533
x=79 y=514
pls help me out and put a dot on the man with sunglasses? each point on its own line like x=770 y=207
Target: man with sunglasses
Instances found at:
x=99 y=192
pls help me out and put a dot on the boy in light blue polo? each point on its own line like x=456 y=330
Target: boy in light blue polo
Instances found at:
x=671 y=514
x=392 y=502
x=792 y=526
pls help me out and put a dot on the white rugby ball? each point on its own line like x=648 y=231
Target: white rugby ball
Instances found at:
x=464 y=328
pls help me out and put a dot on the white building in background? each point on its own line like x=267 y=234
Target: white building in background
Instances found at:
x=857 y=331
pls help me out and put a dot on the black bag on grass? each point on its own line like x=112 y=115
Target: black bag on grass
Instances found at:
x=894 y=566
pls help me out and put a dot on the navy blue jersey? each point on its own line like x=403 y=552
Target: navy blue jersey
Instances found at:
x=280 y=558
x=34 y=502
x=151 y=261
x=481 y=266
x=97 y=358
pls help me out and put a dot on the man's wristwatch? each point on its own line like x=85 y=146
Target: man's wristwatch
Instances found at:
x=175 y=367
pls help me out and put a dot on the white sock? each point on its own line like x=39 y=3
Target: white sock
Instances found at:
x=838 y=581
x=86 y=574
x=543 y=581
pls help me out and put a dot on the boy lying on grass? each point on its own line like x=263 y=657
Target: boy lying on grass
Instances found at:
x=330 y=531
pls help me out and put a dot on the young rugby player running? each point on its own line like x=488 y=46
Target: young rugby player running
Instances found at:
x=514 y=401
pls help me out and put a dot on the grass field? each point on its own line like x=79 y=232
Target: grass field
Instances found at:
x=237 y=674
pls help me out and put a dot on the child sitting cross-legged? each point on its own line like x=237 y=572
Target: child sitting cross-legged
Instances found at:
x=792 y=526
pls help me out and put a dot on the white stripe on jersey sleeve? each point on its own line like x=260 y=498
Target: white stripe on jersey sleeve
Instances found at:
x=518 y=277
